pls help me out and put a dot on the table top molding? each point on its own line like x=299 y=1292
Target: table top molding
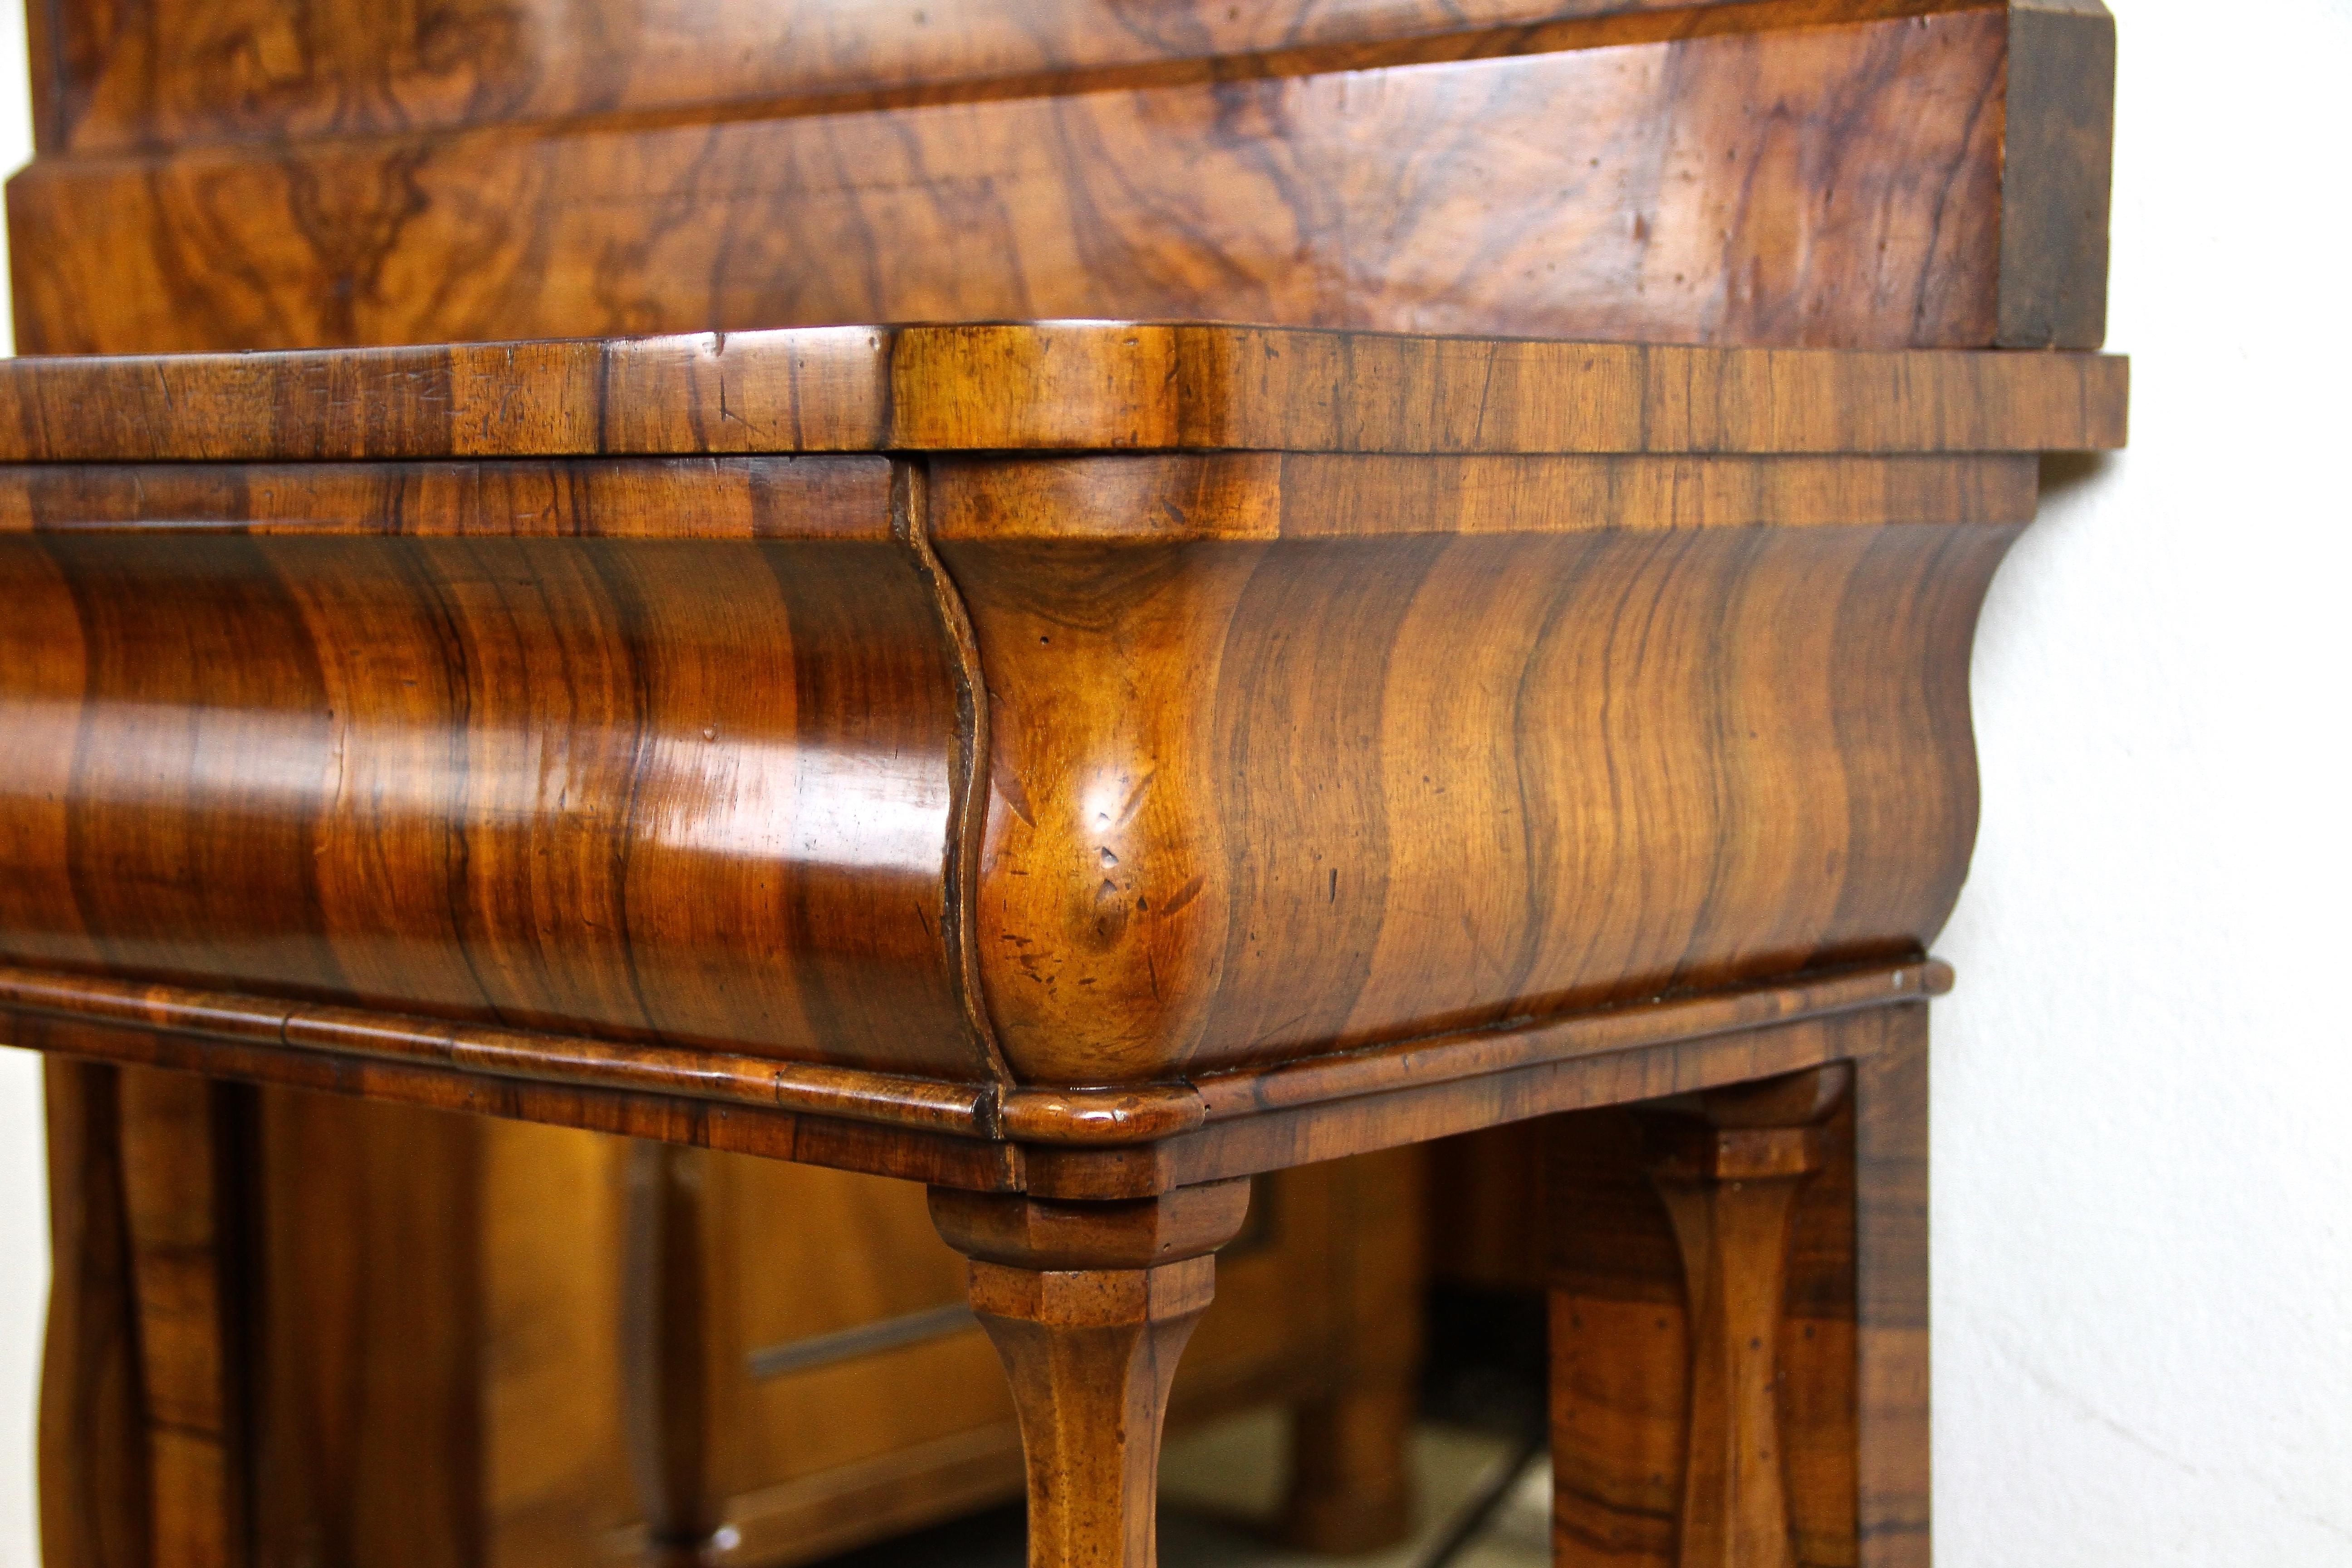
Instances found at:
x=451 y=1064
x=1059 y=386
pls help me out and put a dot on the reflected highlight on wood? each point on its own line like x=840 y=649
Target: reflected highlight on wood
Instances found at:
x=1294 y=755
x=509 y=778
x=1064 y=770
x=244 y=69
x=1298 y=744
x=1072 y=766
x=1062 y=386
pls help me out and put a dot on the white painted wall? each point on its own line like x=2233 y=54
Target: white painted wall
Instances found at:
x=2143 y=1084
x=2142 y=1111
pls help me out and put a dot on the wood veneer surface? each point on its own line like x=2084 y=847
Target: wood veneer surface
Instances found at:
x=241 y=174
x=518 y=779
x=1835 y=173
x=1086 y=386
x=1077 y=768
x=239 y=69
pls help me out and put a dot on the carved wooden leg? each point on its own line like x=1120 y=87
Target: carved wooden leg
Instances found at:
x=1089 y=1305
x=1628 y=1417
x=1728 y=1172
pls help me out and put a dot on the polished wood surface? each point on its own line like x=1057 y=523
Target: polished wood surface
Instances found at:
x=1729 y=1173
x=1410 y=1113
x=1890 y=1451
x=986 y=809
x=122 y=85
x=911 y=1153
x=1297 y=1113
x=1846 y=1347
x=282 y=1359
x=1316 y=1299
x=363 y=1350
x=460 y=1352
x=185 y=1227
x=96 y=1503
x=1842 y=173
x=1619 y=1345
x=666 y=1360
x=1080 y=387
x=1087 y=761
x=2059 y=100
x=1091 y=1305
x=626 y=851
x=1059 y=612
x=1292 y=770
x=1351 y=1489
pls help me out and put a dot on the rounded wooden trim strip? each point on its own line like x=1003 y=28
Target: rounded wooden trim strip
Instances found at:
x=1077 y=1117
x=810 y=1088
x=1416 y=1064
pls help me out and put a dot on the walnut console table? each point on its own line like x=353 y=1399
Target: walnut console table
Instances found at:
x=1075 y=766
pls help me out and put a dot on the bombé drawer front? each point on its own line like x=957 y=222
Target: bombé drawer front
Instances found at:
x=658 y=750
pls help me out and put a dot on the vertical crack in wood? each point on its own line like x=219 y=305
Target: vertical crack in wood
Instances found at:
x=968 y=789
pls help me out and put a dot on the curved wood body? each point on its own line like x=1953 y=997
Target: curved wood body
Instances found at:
x=435 y=740
x=518 y=727
x=1324 y=751
x=1661 y=687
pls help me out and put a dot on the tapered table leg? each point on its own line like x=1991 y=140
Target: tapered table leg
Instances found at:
x=1091 y=1305
x=1728 y=1170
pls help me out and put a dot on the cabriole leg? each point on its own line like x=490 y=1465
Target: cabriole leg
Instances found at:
x=1091 y=1305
